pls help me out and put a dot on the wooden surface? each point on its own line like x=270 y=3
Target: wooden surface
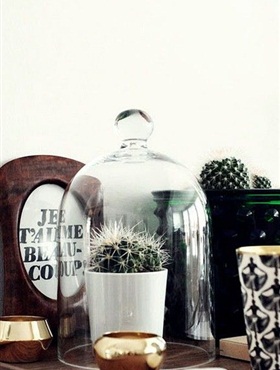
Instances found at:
x=50 y=362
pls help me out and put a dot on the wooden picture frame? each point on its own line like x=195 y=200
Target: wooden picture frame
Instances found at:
x=19 y=178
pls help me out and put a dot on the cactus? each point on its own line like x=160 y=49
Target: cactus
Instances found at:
x=261 y=182
x=227 y=173
x=120 y=249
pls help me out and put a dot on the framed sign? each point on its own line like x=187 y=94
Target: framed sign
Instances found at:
x=31 y=189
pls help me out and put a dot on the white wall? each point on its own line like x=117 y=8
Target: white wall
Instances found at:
x=206 y=71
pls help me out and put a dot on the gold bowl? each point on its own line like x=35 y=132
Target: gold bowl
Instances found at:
x=129 y=351
x=23 y=338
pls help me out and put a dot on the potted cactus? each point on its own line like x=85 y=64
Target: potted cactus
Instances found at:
x=244 y=210
x=125 y=280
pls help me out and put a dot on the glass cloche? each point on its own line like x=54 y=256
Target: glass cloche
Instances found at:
x=151 y=195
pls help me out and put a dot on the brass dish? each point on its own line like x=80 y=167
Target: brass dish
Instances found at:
x=23 y=338
x=129 y=351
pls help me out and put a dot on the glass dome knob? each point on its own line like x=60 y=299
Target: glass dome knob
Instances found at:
x=134 y=125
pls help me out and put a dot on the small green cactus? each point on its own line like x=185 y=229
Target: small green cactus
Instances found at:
x=227 y=173
x=261 y=182
x=120 y=249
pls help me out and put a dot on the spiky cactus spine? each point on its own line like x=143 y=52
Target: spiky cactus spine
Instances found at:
x=227 y=173
x=261 y=182
x=119 y=249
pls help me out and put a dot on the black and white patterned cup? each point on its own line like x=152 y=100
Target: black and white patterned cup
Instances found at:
x=259 y=275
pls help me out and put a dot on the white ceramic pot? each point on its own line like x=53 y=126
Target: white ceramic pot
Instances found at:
x=126 y=301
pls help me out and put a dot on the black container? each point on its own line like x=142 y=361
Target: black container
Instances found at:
x=239 y=218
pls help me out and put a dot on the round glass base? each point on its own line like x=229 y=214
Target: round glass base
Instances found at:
x=179 y=356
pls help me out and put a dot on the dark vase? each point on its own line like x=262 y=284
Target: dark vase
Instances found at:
x=238 y=218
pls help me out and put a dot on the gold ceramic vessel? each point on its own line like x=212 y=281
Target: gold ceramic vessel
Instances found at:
x=129 y=351
x=23 y=338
